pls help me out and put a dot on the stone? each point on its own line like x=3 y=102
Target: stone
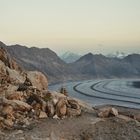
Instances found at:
x=114 y=112
x=8 y=122
x=37 y=102
x=38 y=80
x=50 y=110
x=15 y=96
x=27 y=82
x=55 y=117
x=16 y=104
x=61 y=108
x=7 y=110
x=1 y=118
x=73 y=104
x=107 y=112
x=104 y=113
x=22 y=106
x=73 y=112
x=26 y=122
x=42 y=115
x=36 y=106
x=56 y=97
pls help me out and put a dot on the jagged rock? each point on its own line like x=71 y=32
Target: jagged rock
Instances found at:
x=73 y=112
x=26 y=122
x=73 y=104
x=56 y=97
x=19 y=105
x=36 y=106
x=104 y=113
x=107 y=112
x=8 y=122
x=37 y=99
x=42 y=115
x=61 y=108
x=18 y=115
x=22 y=87
x=15 y=96
x=55 y=117
x=16 y=104
x=15 y=76
x=114 y=112
x=50 y=108
x=7 y=110
x=38 y=80
x=27 y=82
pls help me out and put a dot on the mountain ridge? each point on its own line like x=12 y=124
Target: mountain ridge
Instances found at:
x=88 y=66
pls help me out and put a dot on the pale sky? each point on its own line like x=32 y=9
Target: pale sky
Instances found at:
x=98 y=26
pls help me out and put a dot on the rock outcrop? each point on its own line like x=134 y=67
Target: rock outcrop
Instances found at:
x=24 y=96
x=107 y=112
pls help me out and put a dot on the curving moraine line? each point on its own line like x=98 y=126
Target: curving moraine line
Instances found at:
x=107 y=88
x=95 y=96
x=95 y=89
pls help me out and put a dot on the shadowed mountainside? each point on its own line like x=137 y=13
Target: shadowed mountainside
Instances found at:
x=43 y=60
x=70 y=57
x=87 y=67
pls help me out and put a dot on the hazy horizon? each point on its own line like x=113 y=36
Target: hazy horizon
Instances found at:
x=80 y=26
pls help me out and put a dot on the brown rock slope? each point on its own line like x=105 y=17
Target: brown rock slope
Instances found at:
x=24 y=96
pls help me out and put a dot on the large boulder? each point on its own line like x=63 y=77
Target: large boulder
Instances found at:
x=50 y=109
x=16 y=104
x=73 y=108
x=61 y=108
x=38 y=80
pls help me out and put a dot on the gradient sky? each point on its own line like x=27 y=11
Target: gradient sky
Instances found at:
x=98 y=26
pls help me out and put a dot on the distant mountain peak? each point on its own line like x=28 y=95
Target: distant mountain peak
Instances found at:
x=70 y=57
x=87 y=56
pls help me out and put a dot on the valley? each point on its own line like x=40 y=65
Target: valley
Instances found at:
x=120 y=92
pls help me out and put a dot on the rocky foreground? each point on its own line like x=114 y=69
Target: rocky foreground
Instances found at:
x=28 y=111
